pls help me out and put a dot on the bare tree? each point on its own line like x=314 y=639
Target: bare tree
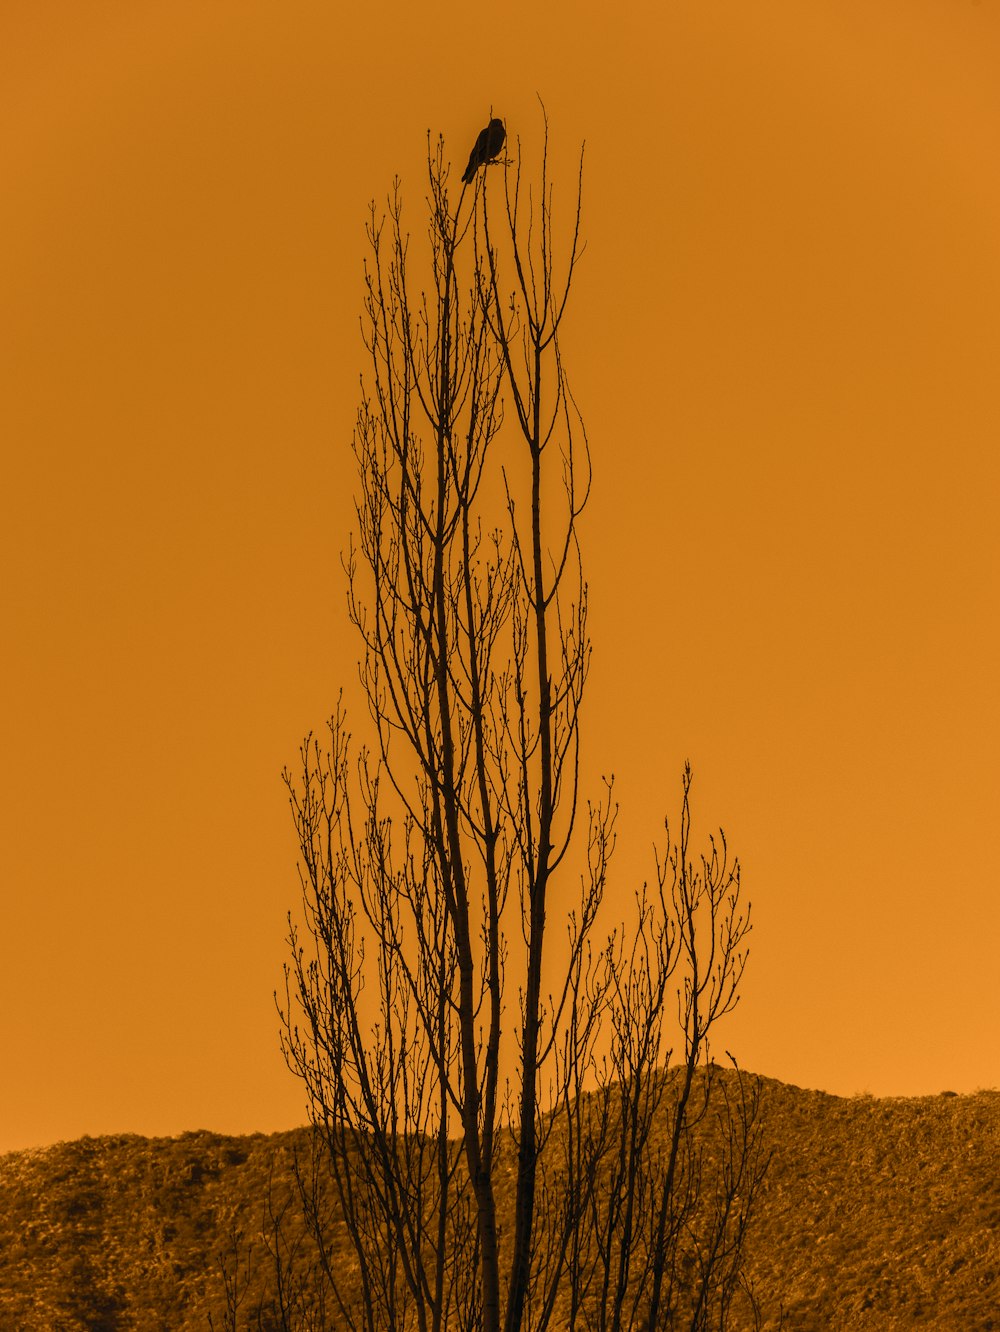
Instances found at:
x=485 y=1163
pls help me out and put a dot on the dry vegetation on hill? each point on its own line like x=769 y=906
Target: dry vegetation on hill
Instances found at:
x=881 y=1214
x=876 y=1214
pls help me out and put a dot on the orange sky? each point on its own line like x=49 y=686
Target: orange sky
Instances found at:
x=784 y=339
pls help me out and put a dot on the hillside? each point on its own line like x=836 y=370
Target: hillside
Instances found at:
x=876 y=1214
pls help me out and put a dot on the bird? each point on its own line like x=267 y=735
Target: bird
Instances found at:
x=487 y=148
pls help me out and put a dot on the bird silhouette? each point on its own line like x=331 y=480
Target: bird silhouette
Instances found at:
x=487 y=148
